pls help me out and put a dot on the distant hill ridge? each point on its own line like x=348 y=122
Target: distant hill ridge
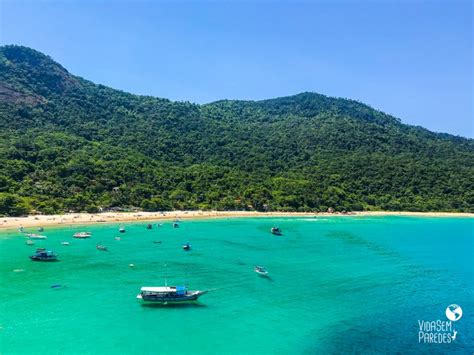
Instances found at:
x=66 y=143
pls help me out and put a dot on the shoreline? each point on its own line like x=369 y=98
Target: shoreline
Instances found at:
x=113 y=217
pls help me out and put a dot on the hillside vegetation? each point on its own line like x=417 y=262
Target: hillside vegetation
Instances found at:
x=67 y=144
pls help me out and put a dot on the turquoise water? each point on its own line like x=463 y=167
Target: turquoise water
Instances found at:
x=338 y=285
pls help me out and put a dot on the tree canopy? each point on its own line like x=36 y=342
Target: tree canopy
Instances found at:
x=67 y=144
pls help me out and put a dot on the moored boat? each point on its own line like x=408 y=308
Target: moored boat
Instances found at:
x=40 y=229
x=276 y=231
x=122 y=229
x=65 y=243
x=30 y=242
x=187 y=246
x=149 y=226
x=82 y=235
x=101 y=247
x=261 y=271
x=44 y=255
x=36 y=236
x=168 y=294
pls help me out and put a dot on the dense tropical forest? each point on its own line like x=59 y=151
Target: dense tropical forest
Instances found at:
x=67 y=144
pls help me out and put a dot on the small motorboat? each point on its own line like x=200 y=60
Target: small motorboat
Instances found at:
x=21 y=229
x=82 y=235
x=261 y=271
x=101 y=247
x=30 y=242
x=118 y=238
x=276 y=231
x=43 y=255
x=40 y=229
x=36 y=236
x=187 y=246
x=122 y=229
x=149 y=226
x=65 y=243
x=175 y=225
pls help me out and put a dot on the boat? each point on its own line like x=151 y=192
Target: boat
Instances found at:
x=157 y=241
x=101 y=247
x=36 y=236
x=65 y=243
x=175 y=225
x=276 y=231
x=40 y=229
x=44 y=255
x=149 y=226
x=122 y=229
x=187 y=246
x=168 y=294
x=30 y=242
x=21 y=229
x=82 y=235
x=118 y=238
x=261 y=271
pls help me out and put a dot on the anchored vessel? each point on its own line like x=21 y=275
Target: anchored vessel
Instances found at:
x=44 y=255
x=101 y=247
x=82 y=235
x=261 y=271
x=276 y=231
x=36 y=236
x=168 y=294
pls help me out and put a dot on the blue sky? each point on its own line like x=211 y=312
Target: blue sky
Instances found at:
x=412 y=59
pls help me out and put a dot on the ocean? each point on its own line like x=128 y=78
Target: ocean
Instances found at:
x=336 y=285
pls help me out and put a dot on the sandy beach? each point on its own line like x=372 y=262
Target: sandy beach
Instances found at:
x=111 y=217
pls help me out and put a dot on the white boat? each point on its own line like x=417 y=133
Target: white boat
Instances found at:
x=65 y=243
x=261 y=271
x=168 y=294
x=36 y=236
x=30 y=242
x=122 y=229
x=118 y=238
x=82 y=235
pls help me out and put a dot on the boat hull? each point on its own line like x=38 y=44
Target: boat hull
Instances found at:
x=192 y=297
x=42 y=259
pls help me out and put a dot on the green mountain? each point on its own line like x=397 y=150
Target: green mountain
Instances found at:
x=69 y=144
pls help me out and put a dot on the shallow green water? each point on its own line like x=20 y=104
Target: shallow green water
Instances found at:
x=349 y=284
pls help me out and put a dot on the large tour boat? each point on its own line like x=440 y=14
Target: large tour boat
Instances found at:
x=168 y=294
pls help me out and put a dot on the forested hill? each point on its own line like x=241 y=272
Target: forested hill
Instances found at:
x=69 y=144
